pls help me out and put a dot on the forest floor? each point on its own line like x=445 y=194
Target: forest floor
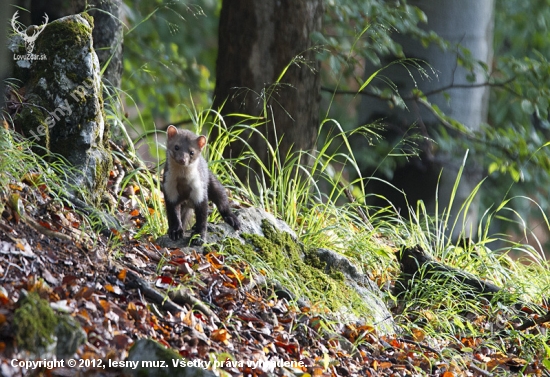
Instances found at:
x=111 y=289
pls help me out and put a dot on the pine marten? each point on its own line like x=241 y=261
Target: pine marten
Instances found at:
x=188 y=185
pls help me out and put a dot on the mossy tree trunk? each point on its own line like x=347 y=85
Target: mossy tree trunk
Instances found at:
x=257 y=41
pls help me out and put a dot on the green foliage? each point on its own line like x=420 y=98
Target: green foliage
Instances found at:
x=357 y=35
x=439 y=305
x=518 y=158
x=18 y=161
x=377 y=22
x=169 y=52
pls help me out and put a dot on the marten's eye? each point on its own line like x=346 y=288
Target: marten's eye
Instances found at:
x=177 y=148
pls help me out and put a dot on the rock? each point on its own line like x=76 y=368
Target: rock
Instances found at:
x=154 y=360
x=35 y=323
x=70 y=336
x=62 y=106
x=251 y=222
x=369 y=292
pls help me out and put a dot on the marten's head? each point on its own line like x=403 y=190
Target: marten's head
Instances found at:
x=183 y=146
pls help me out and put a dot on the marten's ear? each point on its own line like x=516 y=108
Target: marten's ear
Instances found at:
x=201 y=141
x=171 y=131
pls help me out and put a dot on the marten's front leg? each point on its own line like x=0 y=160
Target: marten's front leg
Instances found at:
x=173 y=212
x=199 y=230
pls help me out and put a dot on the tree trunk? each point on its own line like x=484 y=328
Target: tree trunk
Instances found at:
x=55 y=9
x=468 y=23
x=257 y=40
x=108 y=35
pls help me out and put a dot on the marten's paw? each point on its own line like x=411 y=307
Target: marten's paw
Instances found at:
x=175 y=234
x=232 y=220
x=197 y=239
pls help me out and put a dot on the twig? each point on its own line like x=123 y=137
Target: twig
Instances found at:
x=184 y=296
x=532 y=322
x=178 y=123
x=164 y=301
x=420 y=345
x=415 y=97
x=477 y=369
x=161 y=299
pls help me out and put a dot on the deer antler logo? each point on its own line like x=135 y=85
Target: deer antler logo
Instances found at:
x=29 y=39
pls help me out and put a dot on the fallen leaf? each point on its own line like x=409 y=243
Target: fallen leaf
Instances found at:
x=122 y=274
x=32 y=179
x=105 y=305
x=69 y=280
x=164 y=282
x=221 y=335
x=122 y=341
x=47 y=275
x=418 y=334
x=113 y=289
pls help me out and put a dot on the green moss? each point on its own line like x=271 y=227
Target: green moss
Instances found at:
x=57 y=37
x=277 y=248
x=103 y=166
x=300 y=271
x=35 y=324
x=337 y=275
x=312 y=259
x=32 y=122
x=88 y=18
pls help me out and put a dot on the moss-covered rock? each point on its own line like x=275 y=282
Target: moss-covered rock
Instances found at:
x=148 y=358
x=35 y=323
x=316 y=277
x=63 y=104
x=33 y=124
x=70 y=336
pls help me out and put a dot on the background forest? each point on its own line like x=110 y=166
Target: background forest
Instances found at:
x=170 y=67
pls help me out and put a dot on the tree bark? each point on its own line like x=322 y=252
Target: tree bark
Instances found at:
x=467 y=23
x=108 y=36
x=257 y=40
x=55 y=9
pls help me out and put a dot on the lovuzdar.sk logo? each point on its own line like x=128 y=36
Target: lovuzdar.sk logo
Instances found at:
x=29 y=35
